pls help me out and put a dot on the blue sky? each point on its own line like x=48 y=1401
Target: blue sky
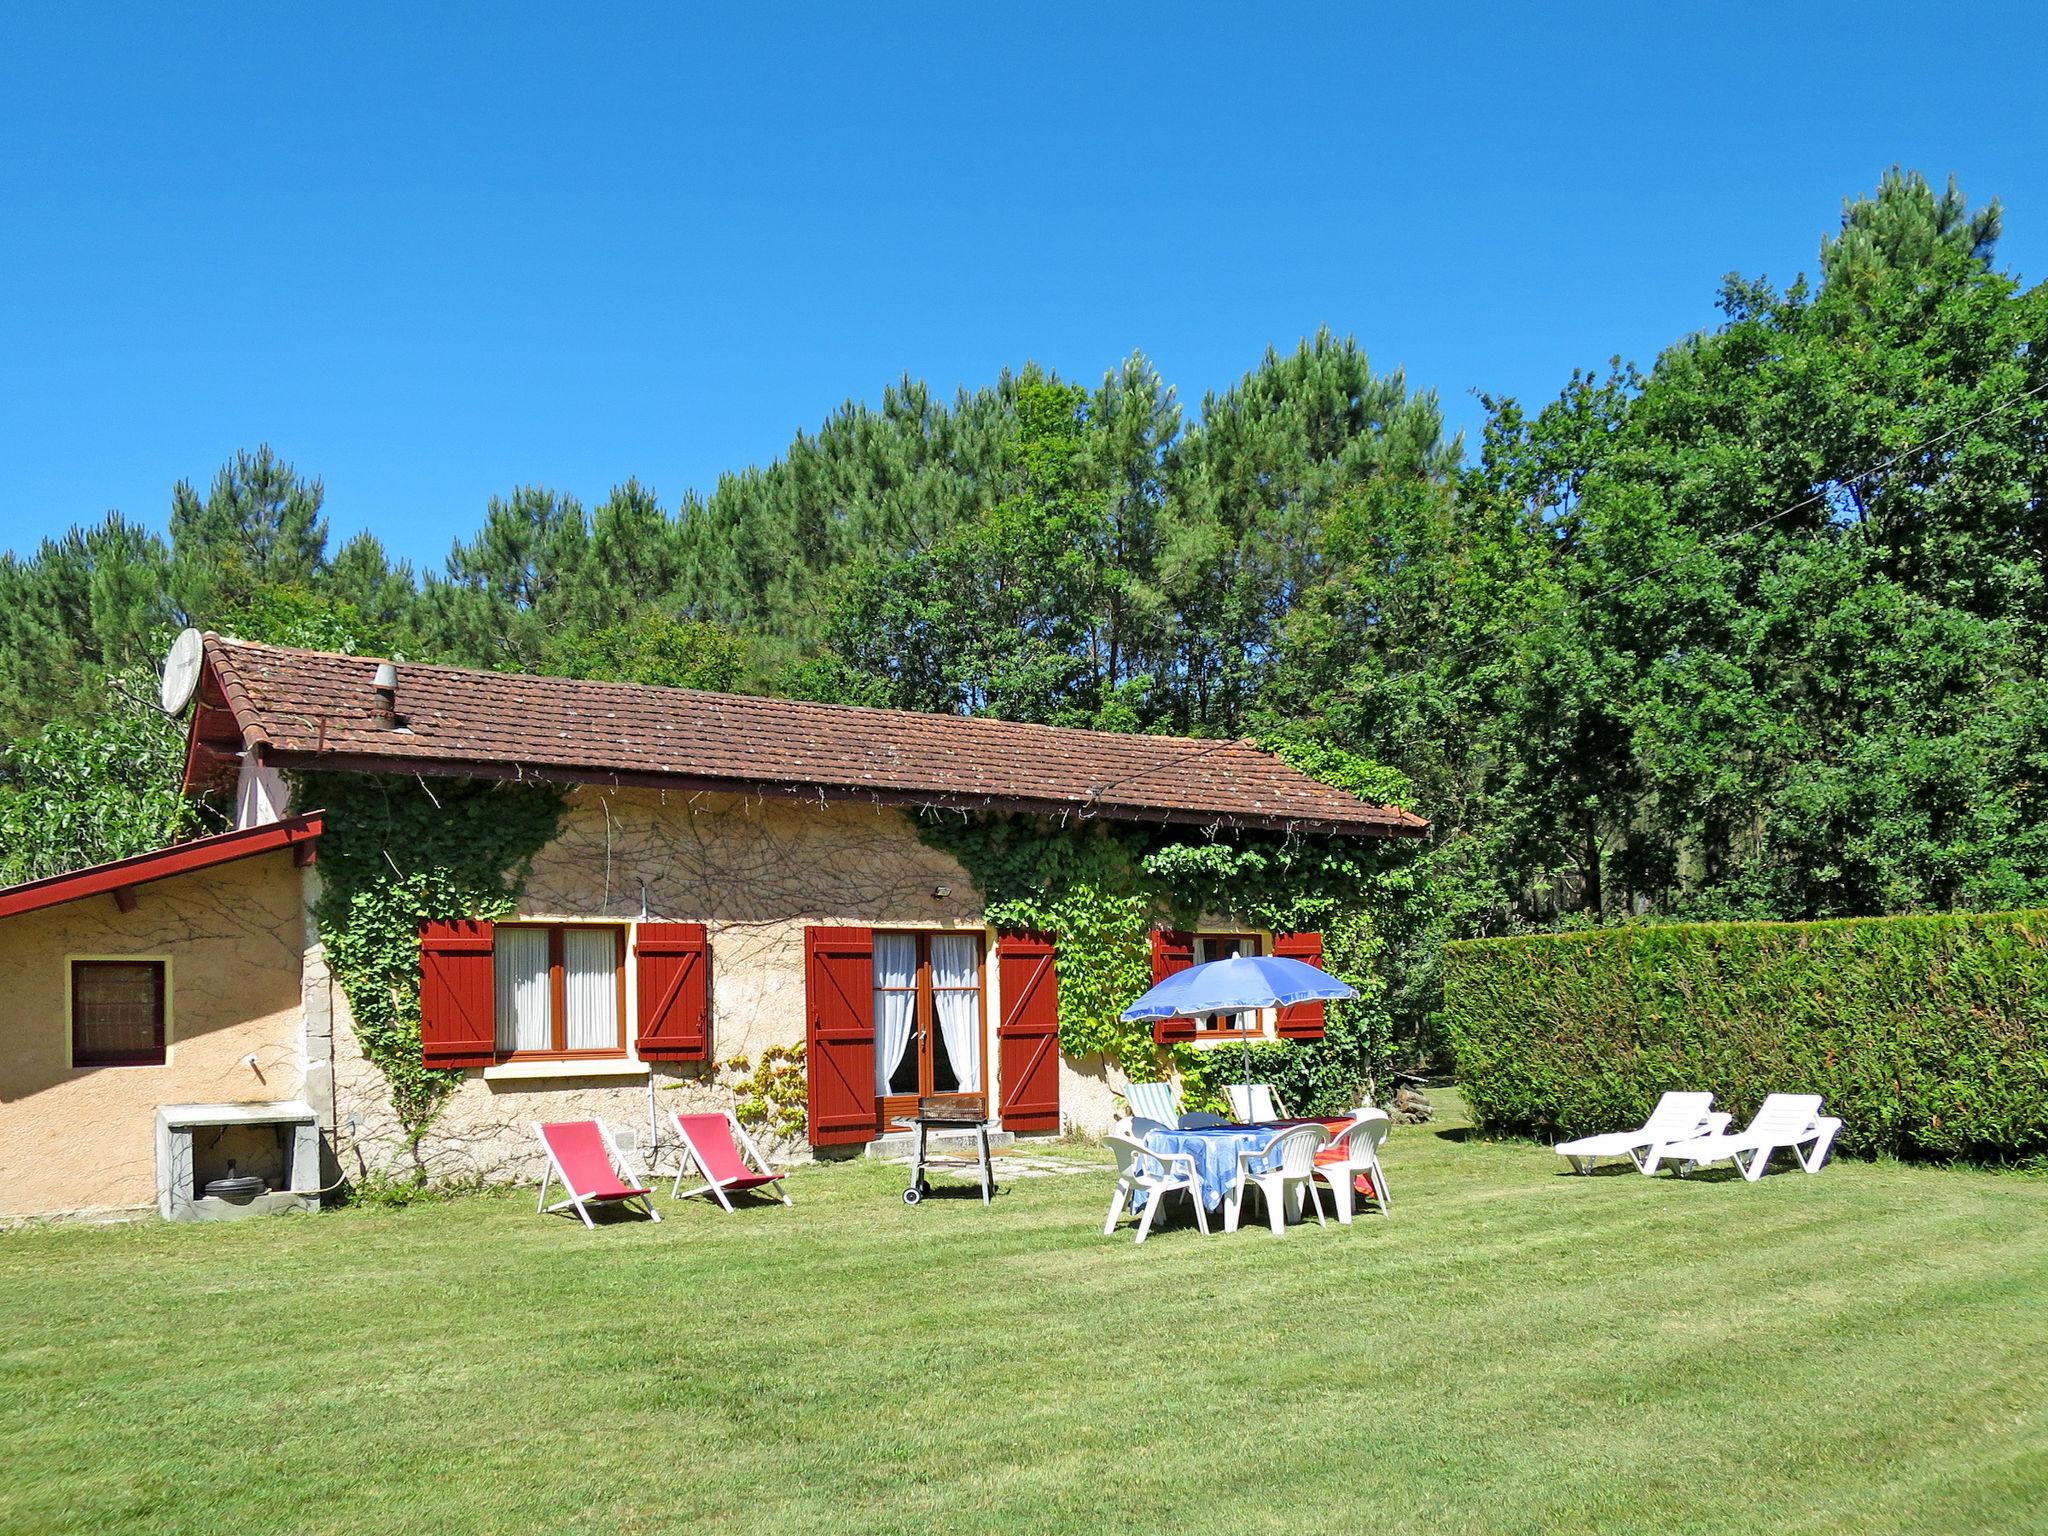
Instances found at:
x=434 y=252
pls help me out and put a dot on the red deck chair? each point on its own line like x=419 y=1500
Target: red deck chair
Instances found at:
x=582 y=1154
x=713 y=1143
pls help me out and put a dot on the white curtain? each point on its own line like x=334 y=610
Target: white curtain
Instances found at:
x=956 y=1000
x=895 y=1010
x=521 y=967
x=590 y=976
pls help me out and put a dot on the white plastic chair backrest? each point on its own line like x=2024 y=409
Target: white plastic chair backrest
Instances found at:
x=1294 y=1152
x=1197 y=1119
x=1133 y=1158
x=1142 y=1128
x=1252 y=1102
x=1679 y=1113
x=1366 y=1134
x=1155 y=1101
x=1785 y=1115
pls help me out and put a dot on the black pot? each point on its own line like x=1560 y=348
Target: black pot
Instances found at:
x=236 y=1187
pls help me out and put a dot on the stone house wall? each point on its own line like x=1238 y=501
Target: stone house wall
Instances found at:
x=756 y=872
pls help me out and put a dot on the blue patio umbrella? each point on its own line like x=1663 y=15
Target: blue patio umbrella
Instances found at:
x=1237 y=985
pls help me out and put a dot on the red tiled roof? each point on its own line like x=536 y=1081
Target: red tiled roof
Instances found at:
x=314 y=709
x=161 y=864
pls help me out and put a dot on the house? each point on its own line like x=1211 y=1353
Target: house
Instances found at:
x=166 y=980
x=727 y=874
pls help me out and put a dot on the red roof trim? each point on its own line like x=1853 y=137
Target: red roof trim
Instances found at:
x=178 y=859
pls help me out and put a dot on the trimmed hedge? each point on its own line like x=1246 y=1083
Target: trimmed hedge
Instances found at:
x=1927 y=1035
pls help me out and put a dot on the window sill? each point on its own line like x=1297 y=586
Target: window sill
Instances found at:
x=516 y=1071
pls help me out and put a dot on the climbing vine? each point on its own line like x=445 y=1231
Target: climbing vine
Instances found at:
x=1098 y=887
x=773 y=1092
x=1085 y=885
x=399 y=852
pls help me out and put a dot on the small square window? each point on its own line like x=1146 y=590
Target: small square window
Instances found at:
x=117 y=1013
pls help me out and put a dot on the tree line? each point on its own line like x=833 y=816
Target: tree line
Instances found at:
x=1754 y=631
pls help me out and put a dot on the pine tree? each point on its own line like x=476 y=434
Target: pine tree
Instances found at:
x=258 y=524
x=1905 y=226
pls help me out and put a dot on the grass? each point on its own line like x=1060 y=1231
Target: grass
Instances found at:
x=1514 y=1351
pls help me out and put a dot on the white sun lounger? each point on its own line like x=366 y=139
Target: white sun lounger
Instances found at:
x=1677 y=1117
x=1790 y=1120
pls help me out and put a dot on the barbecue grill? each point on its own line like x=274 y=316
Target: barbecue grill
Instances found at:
x=948 y=1112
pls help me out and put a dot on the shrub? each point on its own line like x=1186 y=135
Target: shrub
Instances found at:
x=1927 y=1035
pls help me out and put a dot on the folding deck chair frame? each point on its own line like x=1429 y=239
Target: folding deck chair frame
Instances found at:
x=761 y=1177
x=622 y=1191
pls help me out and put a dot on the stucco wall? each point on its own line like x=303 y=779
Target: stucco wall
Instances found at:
x=756 y=873
x=84 y=1140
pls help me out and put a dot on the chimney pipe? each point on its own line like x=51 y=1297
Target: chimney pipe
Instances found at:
x=385 y=710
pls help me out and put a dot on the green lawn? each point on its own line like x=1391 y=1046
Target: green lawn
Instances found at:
x=1514 y=1351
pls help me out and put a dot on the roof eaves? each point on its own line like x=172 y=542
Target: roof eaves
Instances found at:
x=160 y=864
x=1374 y=821
x=248 y=718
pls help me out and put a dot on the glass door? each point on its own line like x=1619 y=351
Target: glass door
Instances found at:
x=930 y=1018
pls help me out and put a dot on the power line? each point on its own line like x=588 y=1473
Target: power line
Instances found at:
x=1097 y=791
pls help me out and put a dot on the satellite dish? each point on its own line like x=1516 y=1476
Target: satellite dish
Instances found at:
x=181 y=672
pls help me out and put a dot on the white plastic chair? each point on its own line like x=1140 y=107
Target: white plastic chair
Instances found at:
x=1159 y=1174
x=1356 y=1150
x=1155 y=1101
x=1677 y=1117
x=1142 y=1128
x=1202 y=1119
x=1255 y=1103
x=1790 y=1120
x=1284 y=1172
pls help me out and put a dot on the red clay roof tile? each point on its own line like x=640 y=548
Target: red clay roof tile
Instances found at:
x=311 y=709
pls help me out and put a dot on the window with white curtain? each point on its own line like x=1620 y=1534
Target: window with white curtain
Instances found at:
x=558 y=989
x=590 y=978
x=525 y=989
x=1221 y=946
x=928 y=1014
x=895 y=1013
x=956 y=1007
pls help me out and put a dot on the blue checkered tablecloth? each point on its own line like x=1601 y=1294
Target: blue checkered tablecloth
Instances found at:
x=1214 y=1149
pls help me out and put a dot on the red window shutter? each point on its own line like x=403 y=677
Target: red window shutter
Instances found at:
x=1303 y=1021
x=839 y=988
x=1028 y=1038
x=1171 y=952
x=674 y=976
x=458 y=1010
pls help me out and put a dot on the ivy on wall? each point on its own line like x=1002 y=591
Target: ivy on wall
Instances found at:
x=772 y=1093
x=1085 y=885
x=398 y=852
x=1098 y=887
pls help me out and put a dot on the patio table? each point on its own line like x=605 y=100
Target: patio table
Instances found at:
x=1215 y=1147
